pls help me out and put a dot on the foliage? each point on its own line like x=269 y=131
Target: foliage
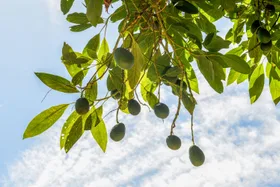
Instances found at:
x=160 y=42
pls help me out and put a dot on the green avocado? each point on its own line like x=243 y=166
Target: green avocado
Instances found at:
x=123 y=58
x=263 y=35
x=255 y=25
x=185 y=6
x=173 y=142
x=82 y=106
x=270 y=9
x=196 y=156
x=117 y=133
x=266 y=47
x=134 y=107
x=161 y=110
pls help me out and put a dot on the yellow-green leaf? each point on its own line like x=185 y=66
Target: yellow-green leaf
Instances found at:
x=256 y=83
x=44 y=120
x=102 y=54
x=74 y=134
x=57 y=83
x=135 y=72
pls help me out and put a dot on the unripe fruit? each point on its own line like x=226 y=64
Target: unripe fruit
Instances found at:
x=266 y=47
x=134 y=107
x=263 y=35
x=123 y=58
x=173 y=142
x=161 y=110
x=117 y=133
x=82 y=106
x=255 y=25
x=270 y=9
x=196 y=156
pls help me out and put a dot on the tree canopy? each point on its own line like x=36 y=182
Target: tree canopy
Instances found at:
x=159 y=44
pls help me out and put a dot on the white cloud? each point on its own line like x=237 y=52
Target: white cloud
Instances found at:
x=53 y=7
x=240 y=141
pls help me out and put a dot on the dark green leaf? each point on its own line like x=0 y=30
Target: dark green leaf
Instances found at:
x=119 y=14
x=94 y=11
x=173 y=72
x=188 y=102
x=80 y=28
x=78 y=18
x=57 y=83
x=44 y=120
x=65 y=5
x=236 y=63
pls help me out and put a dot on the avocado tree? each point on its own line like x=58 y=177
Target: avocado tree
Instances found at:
x=159 y=43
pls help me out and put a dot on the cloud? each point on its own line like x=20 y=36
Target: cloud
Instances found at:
x=53 y=7
x=241 y=143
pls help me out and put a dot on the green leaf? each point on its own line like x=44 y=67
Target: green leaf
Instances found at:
x=274 y=84
x=205 y=25
x=94 y=11
x=215 y=43
x=98 y=129
x=188 y=102
x=210 y=70
x=44 y=120
x=256 y=83
x=67 y=127
x=147 y=86
x=65 y=5
x=92 y=47
x=173 y=72
x=68 y=55
x=91 y=91
x=78 y=18
x=78 y=78
x=152 y=99
x=232 y=77
x=119 y=14
x=57 y=83
x=236 y=63
x=135 y=72
x=80 y=28
x=104 y=49
x=254 y=49
x=116 y=77
x=74 y=134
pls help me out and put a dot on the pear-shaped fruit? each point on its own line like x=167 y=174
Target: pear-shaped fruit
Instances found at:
x=266 y=47
x=116 y=94
x=255 y=25
x=117 y=133
x=82 y=106
x=196 y=156
x=134 y=107
x=173 y=142
x=270 y=9
x=161 y=110
x=263 y=35
x=123 y=58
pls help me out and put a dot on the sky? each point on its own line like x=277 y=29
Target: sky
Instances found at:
x=241 y=141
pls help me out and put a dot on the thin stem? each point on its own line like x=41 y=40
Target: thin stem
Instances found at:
x=176 y=116
x=275 y=22
x=46 y=95
x=192 y=129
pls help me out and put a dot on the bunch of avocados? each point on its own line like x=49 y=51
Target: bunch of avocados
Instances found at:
x=262 y=33
x=125 y=60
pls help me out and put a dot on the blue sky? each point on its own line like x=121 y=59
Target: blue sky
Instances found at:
x=240 y=140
